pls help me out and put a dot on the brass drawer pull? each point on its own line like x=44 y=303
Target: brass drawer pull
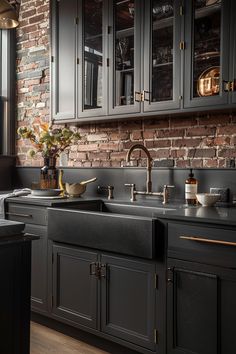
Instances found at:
x=207 y=240
x=20 y=215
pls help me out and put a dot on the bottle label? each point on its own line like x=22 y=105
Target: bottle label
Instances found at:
x=190 y=191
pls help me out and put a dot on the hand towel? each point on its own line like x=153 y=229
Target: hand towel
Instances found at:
x=15 y=193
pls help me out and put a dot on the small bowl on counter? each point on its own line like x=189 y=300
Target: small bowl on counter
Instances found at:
x=207 y=199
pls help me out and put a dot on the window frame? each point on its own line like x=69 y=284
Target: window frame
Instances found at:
x=7 y=92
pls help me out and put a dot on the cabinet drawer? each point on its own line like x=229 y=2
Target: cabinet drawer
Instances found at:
x=202 y=244
x=28 y=214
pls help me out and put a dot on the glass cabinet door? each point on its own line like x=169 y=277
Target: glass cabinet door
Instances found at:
x=124 y=56
x=63 y=66
x=207 y=52
x=162 y=67
x=92 y=55
x=233 y=56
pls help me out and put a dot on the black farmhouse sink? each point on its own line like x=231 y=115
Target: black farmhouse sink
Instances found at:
x=120 y=228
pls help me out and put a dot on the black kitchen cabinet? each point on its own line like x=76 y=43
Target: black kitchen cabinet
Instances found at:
x=35 y=219
x=201 y=309
x=15 y=255
x=128 y=300
x=201 y=290
x=112 y=294
x=75 y=289
x=141 y=58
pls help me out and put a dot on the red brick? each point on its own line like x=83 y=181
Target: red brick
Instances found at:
x=218 y=119
x=136 y=135
x=182 y=122
x=210 y=163
x=36 y=19
x=26 y=14
x=170 y=133
x=186 y=142
x=195 y=153
x=227 y=153
x=227 y=130
x=158 y=143
x=200 y=131
x=156 y=124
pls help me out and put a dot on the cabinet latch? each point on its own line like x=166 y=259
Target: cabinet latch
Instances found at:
x=155 y=336
x=229 y=86
x=182 y=45
x=170 y=275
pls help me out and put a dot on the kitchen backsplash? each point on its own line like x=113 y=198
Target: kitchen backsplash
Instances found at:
x=205 y=140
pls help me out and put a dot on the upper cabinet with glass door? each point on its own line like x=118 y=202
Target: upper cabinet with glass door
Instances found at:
x=63 y=59
x=124 y=56
x=207 y=45
x=92 y=54
x=162 y=66
x=233 y=53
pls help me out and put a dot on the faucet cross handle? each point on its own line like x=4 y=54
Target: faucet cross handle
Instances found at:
x=166 y=192
x=132 y=191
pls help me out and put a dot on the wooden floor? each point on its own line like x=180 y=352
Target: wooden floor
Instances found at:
x=47 y=341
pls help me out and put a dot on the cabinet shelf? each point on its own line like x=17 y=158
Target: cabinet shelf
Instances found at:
x=207 y=10
x=163 y=23
x=162 y=64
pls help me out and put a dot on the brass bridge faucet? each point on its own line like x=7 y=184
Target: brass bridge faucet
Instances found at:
x=149 y=164
x=133 y=190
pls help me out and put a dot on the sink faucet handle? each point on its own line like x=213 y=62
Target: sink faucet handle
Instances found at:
x=110 y=190
x=166 y=192
x=132 y=191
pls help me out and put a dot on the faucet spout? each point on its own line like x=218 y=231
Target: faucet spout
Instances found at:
x=149 y=163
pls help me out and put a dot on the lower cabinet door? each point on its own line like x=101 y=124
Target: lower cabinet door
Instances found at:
x=201 y=309
x=75 y=285
x=39 y=301
x=192 y=309
x=128 y=300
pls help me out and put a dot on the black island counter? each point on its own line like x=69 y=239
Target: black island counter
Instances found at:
x=15 y=271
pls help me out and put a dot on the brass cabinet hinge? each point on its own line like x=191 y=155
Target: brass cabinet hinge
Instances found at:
x=156 y=281
x=182 y=45
x=181 y=10
x=155 y=336
x=232 y=86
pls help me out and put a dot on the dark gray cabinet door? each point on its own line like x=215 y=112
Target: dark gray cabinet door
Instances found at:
x=233 y=46
x=128 y=300
x=125 y=57
x=39 y=263
x=192 y=308
x=206 y=53
x=74 y=287
x=92 y=54
x=162 y=55
x=64 y=59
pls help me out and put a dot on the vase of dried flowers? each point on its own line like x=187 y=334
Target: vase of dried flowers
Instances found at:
x=50 y=142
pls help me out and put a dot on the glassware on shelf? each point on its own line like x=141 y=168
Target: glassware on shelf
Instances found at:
x=209 y=82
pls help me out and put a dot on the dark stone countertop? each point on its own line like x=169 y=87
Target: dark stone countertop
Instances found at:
x=12 y=232
x=173 y=211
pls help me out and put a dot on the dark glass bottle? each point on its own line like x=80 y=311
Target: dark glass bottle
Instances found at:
x=191 y=185
x=49 y=174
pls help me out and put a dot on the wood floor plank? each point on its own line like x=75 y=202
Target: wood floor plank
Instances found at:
x=47 y=341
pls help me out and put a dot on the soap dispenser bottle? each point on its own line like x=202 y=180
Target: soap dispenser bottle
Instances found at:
x=191 y=185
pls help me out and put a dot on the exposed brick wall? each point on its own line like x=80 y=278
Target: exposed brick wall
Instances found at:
x=207 y=140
